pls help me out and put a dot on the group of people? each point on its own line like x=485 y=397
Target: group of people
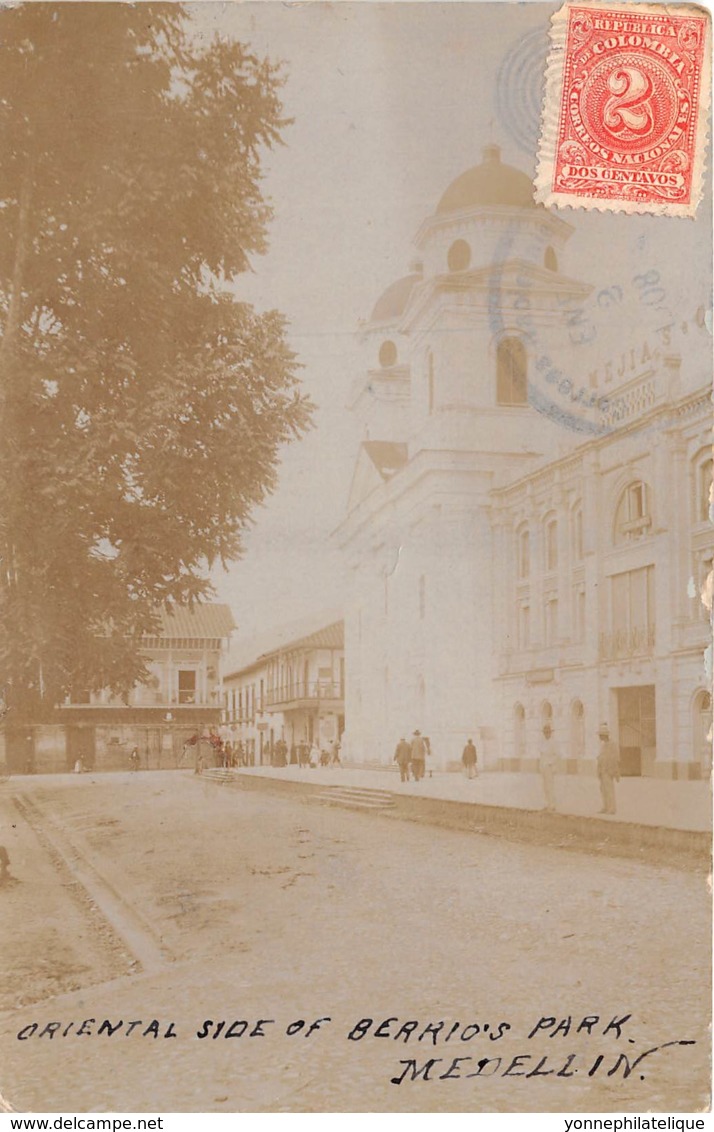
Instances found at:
x=411 y=755
x=608 y=768
x=310 y=754
x=214 y=748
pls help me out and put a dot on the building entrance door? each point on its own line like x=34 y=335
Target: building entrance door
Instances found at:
x=636 y=720
x=153 y=748
x=20 y=750
x=81 y=746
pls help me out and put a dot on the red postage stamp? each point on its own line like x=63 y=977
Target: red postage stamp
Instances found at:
x=626 y=108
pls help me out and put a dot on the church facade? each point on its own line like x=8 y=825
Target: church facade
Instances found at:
x=525 y=544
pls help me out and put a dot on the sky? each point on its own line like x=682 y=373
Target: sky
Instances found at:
x=390 y=103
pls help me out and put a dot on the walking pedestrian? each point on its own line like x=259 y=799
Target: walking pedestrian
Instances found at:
x=133 y=758
x=402 y=757
x=608 y=769
x=468 y=758
x=548 y=763
x=418 y=756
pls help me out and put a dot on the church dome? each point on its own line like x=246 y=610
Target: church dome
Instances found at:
x=392 y=303
x=491 y=183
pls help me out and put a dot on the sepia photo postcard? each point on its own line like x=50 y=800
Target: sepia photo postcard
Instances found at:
x=355 y=561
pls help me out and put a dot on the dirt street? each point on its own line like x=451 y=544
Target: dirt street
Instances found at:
x=178 y=904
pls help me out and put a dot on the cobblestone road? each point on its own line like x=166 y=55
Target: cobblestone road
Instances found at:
x=278 y=909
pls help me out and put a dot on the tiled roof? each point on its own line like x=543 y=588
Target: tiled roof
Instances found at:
x=209 y=620
x=331 y=637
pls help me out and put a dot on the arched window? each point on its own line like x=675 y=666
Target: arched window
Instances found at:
x=577 y=730
x=519 y=731
x=387 y=354
x=702 y=728
x=633 y=514
x=458 y=256
x=523 y=552
x=546 y=713
x=511 y=372
x=550 y=259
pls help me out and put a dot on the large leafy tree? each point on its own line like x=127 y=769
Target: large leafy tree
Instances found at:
x=142 y=408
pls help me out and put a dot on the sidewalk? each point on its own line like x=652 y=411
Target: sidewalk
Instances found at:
x=641 y=801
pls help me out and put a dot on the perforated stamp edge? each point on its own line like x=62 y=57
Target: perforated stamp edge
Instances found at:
x=552 y=107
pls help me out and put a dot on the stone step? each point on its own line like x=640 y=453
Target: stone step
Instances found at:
x=361 y=792
x=351 y=804
x=356 y=796
x=219 y=774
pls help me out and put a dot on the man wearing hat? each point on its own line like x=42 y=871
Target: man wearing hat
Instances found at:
x=608 y=769
x=418 y=759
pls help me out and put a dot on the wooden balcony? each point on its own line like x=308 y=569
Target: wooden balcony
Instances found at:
x=301 y=693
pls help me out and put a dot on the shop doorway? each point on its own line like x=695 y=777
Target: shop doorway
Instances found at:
x=81 y=747
x=20 y=750
x=636 y=727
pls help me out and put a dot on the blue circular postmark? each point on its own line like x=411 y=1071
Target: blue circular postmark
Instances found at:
x=519 y=89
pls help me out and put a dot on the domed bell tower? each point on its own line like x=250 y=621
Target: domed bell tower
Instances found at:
x=493 y=299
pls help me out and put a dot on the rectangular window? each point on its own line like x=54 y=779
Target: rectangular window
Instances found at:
x=580 y=613
x=632 y=613
x=524 y=626
x=511 y=372
x=187 y=686
x=551 y=621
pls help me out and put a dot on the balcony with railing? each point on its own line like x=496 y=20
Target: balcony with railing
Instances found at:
x=303 y=692
x=624 y=644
